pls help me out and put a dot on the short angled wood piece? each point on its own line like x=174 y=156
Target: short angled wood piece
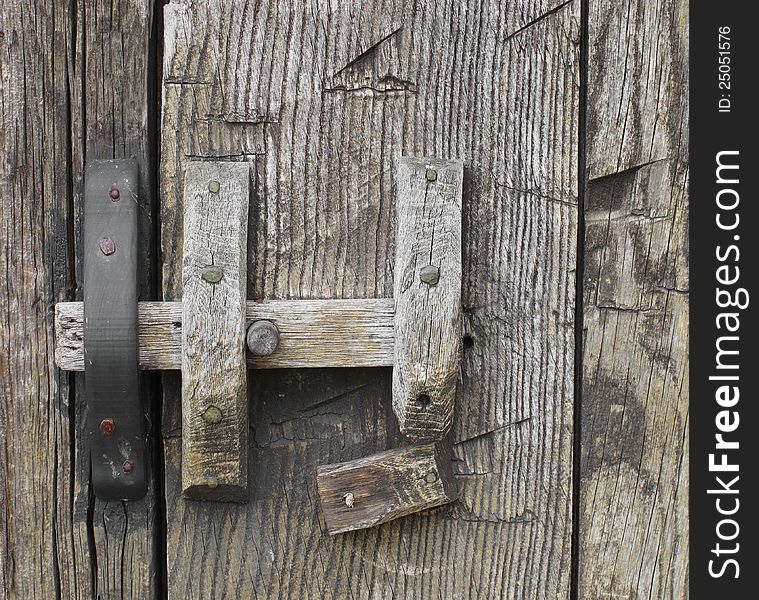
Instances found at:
x=214 y=278
x=379 y=488
x=427 y=292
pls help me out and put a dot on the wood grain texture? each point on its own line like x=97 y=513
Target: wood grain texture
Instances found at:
x=376 y=489
x=321 y=98
x=633 y=528
x=313 y=333
x=214 y=381
x=428 y=322
x=74 y=85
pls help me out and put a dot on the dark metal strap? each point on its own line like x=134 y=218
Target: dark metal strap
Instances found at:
x=116 y=422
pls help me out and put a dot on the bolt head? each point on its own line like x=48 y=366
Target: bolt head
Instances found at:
x=115 y=194
x=212 y=415
x=431 y=477
x=107 y=246
x=212 y=275
x=128 y=466
x=429 y=274
x=107 y=426
x=214 y=187
x=431 y=175
x=262 y=338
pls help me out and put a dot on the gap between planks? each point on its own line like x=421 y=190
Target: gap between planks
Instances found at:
x=313 y=333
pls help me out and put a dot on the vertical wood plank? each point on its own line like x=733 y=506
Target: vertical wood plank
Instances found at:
x=320 y=99
x=633 y=527
x=427 y=294
x=376 y=489
x=214 y=277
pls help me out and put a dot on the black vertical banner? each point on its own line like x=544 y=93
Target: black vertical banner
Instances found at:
x=724 y=424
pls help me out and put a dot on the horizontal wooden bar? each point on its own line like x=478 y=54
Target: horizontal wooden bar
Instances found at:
x=313 y=333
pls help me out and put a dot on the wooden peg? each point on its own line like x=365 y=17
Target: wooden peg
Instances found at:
x=427 y=292
x=214 y=278
x=375 y=489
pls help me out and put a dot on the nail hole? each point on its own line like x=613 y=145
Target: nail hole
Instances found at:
x=423 y=400
x=468 y=341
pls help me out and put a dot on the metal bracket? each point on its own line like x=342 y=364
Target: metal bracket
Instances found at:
x=116 y=423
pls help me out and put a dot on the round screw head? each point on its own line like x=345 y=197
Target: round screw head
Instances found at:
x=214 y=187
x=431 y=175
x=212 y=415
x=107 y=246
x=128 y=466
x=262 y=338
x=212 y=275
x=107 y=426
x=115 y=194
x=429 y=274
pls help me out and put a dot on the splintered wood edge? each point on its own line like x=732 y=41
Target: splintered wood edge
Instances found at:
x=382 y=487
x=313 y=333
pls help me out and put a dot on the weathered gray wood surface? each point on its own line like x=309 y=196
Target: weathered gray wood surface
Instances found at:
x=214 y=378
x=321 y=99
x=633 y=530
x=381 y=487
x=74 y=85
x=313 y=333
x=427 y=295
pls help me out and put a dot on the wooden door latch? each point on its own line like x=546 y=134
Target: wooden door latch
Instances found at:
x=214 y=334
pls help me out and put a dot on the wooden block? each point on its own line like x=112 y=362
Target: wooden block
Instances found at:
x=379 y=488
x=313 y=333
x=214 y=278
x=427 y=292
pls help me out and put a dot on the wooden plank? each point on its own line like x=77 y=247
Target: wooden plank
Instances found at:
x=214 y=277
x=376 y=489
x=313 y=333
x=321 y=99
x=427 y=294
x=74 y=85
x=633 y=528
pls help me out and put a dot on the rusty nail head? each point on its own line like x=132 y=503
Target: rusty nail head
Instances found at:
x=128 y=465
x=115 y=194
x=213 y=187
x=107 y=246
x=107 y=426
x=431 y=175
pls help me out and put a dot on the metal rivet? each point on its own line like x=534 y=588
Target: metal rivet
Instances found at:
x=115 y=194
x=107 y=246
x=213 y=187
x=429 y=274
x=262 y=338
x=212 y=415
x=212 y=483
x=128 y=465
x=431 y=175
x=431 y=477
x=349 y=499
x=107 y=426
x=212 y=275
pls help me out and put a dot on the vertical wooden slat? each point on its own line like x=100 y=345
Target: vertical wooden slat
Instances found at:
x=633 y=527
x=427 y=294
x=214 y=277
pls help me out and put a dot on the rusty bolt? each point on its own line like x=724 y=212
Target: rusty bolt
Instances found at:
x=262 y=338
x=213 y=187
x=431 y=175
x=115 y=194
x=107 y=426
x=107 y=246
x=128 y=465
x=429 y=274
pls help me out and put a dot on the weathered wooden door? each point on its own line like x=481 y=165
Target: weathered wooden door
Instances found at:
x=569 y=436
